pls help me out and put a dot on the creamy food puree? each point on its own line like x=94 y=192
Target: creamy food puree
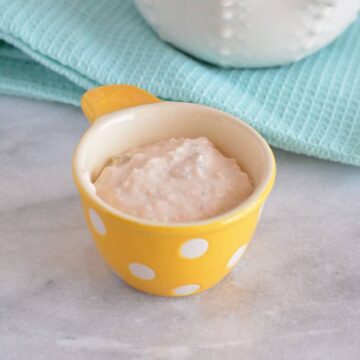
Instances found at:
x=176 y=180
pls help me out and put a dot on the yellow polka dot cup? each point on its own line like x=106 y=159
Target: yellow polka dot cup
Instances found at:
x=167 y=259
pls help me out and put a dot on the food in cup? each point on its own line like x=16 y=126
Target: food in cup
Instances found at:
x=176 y=180
x=167 y=259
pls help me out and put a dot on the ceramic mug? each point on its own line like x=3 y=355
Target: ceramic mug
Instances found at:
x=169 y=259
x=248 y=33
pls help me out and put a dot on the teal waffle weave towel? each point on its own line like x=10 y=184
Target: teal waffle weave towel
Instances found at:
x=55 y=49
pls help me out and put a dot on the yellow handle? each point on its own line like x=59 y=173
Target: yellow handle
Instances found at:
x=109 y=98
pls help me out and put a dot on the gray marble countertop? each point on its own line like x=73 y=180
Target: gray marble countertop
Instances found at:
x=294 y=295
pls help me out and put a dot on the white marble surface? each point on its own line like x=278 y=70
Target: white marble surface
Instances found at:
x=295 y=294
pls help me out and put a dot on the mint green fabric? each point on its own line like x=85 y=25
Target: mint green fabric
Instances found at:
x=55 y=49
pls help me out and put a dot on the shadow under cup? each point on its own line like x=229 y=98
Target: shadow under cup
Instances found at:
x=171 y=259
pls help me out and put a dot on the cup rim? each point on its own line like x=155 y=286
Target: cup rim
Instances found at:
x=262 y=190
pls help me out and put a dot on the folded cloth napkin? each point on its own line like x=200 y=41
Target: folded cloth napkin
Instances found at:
x=55 y=49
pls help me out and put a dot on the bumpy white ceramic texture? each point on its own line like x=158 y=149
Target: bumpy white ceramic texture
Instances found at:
x=248 y=33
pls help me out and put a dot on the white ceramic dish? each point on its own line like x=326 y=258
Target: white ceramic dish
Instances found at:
x=249 y=33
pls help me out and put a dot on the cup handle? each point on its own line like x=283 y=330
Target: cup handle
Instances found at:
x=109 y=98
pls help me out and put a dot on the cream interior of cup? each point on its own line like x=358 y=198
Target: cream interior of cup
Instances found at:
x=120 y=131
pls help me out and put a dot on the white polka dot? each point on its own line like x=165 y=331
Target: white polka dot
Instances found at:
x=96 y=222
x=186 y=289
x=260 y=212
x=142 y=271
x=236 y=257
x=194 y=248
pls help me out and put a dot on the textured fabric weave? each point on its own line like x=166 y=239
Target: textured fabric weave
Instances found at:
x=55 y=49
